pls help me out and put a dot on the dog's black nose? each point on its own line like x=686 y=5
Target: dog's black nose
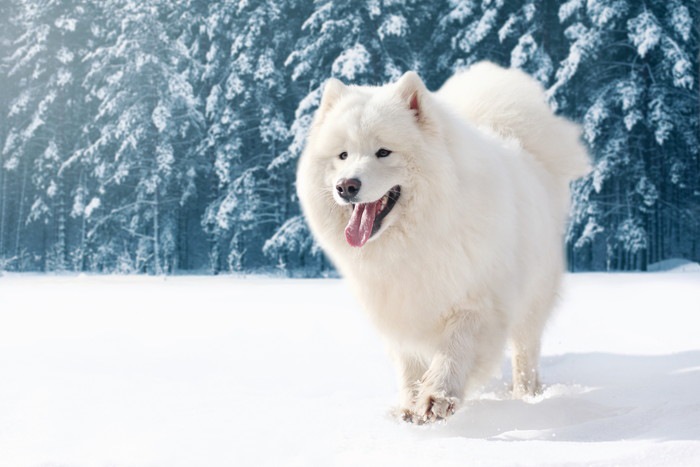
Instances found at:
x=348 y=188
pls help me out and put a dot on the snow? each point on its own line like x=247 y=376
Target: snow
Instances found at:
x=52 y=189
x=632 y=235
x=160 y=117
x=644 y=32
x=63 y=77
x=593 y=118
x=94 y=203
x=604 y=12
x=351 y=62
x=508 y=29
x=569 y=8
x=393 y=25
x=460 y=10
x=220 y=371
x=292 y=237
x=647 y=190
x=165 y=157
x=477 y=31
x=681 y=19
x=674 y=265
x=68 y=24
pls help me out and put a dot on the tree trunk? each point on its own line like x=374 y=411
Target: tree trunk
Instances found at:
x=3 y=209
x=61 y=230
x=20 y=214
x=156 y=234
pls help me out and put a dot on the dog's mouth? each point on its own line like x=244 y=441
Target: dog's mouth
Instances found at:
x=366 y=218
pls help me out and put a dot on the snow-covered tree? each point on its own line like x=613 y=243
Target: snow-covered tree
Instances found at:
x=248 y=112
x=631 y=77
x=154 y=136
x=517 y=34
x=142 y=138
x=294 y=249
x=44 y=116
x=8 y=89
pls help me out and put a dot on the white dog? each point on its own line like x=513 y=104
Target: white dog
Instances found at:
x=445 y=213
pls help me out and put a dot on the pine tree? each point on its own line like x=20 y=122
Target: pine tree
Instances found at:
x=8 y=88
x=507 y=33
x=468 y=31
x=141 y=152
x=45 y=115
x=633 y=70
x=158 y=136
x=248 y=110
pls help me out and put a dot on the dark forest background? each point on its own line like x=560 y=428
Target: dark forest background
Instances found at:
x=160 y=137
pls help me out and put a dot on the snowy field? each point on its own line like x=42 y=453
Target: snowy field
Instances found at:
x=146 y=372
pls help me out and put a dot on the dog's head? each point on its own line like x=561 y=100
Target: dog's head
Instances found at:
x=362 y=156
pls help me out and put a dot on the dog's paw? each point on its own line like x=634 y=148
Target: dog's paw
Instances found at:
x=526 y=389
x=433 y=407
x=401 y=412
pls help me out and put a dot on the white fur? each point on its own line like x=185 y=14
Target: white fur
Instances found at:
x=471 y=255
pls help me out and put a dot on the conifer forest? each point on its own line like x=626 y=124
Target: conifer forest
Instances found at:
x=161 y=137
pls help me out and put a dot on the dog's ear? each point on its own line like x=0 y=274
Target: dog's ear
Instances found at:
x=333 y=90
x=412 y=91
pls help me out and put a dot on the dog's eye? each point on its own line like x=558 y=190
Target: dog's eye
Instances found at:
x=382 y=152
x=343 y=155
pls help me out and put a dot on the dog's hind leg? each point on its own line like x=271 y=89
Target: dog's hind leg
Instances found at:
x=526 y=337
x=526 y=353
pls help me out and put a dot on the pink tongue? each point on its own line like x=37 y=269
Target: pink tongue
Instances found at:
x=359 y=228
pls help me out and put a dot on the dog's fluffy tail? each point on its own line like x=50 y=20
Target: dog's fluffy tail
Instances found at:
x=511 y=103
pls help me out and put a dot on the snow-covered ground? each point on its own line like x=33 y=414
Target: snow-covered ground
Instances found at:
x=202 y=371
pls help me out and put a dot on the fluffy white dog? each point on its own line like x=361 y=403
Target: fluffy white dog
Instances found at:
x=445 y=213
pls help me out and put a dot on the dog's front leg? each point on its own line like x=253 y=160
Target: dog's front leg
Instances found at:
x=441 y=388
x=411 y=369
